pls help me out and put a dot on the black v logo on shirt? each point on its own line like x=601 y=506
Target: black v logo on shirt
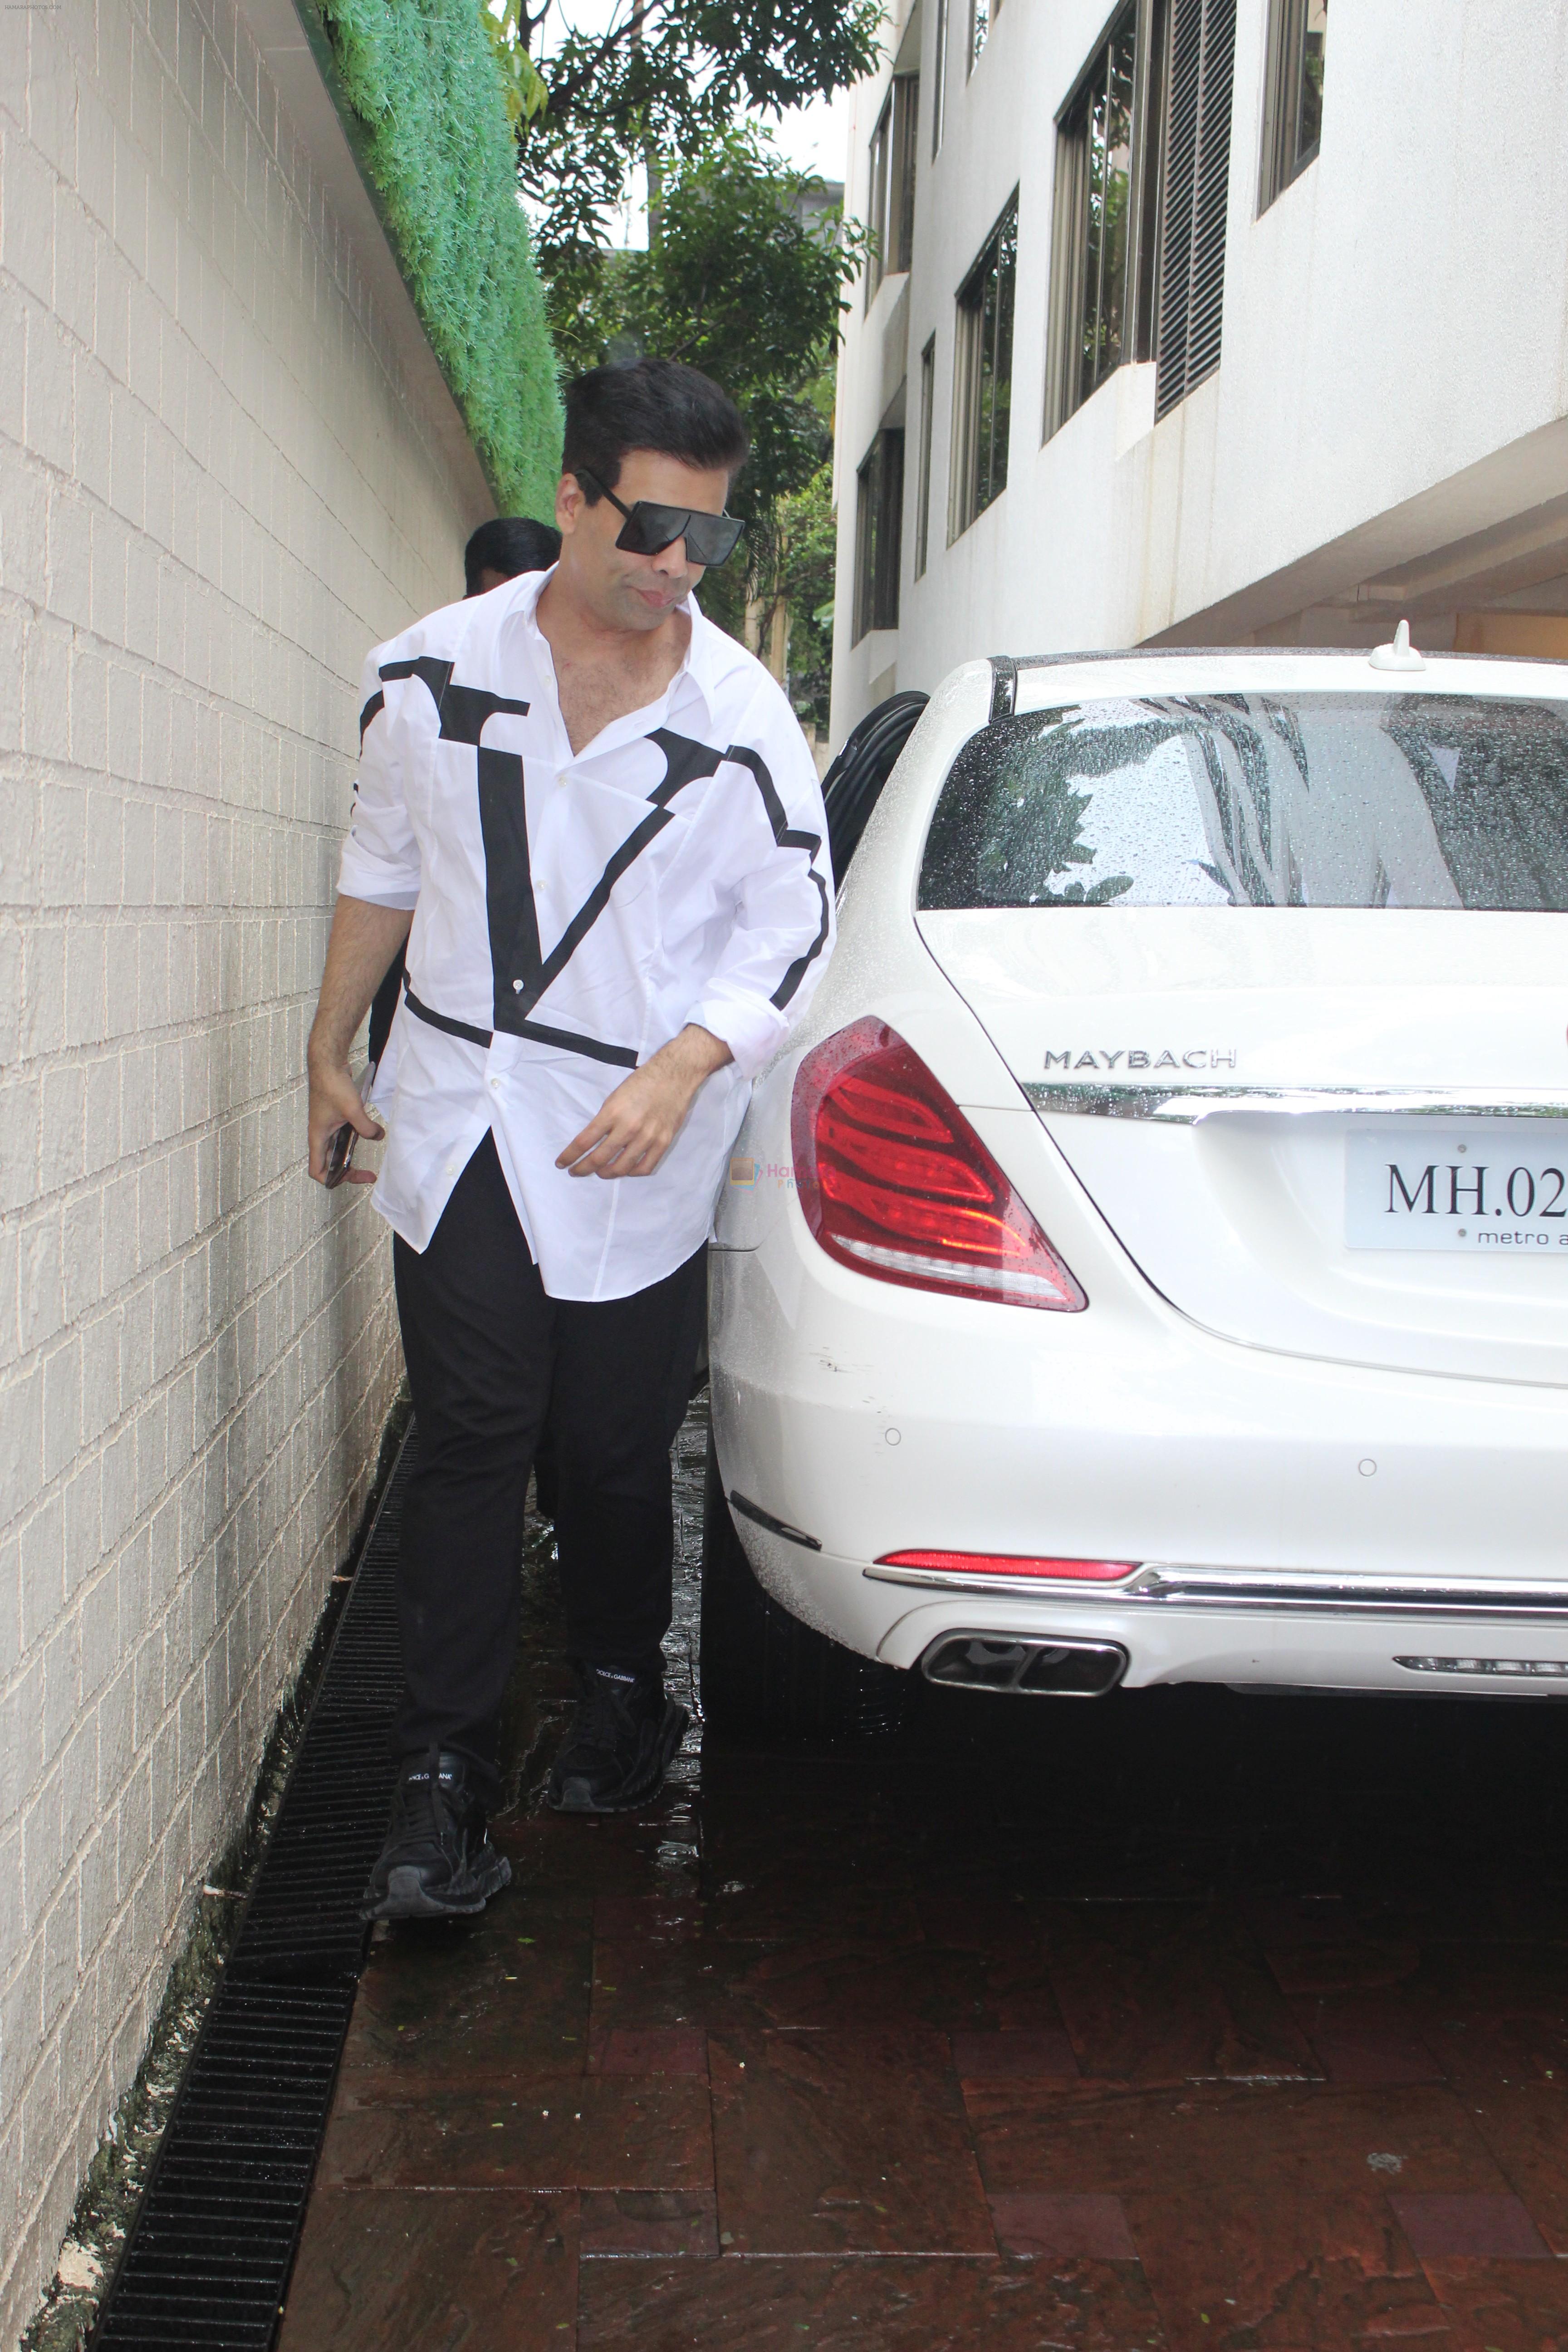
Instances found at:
x=522 y=973
x=462 y=709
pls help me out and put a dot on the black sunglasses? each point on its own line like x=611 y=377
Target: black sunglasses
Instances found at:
x=709 y=539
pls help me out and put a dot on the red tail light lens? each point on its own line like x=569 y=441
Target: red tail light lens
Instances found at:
x=895 y=1183
x=1010 y=1563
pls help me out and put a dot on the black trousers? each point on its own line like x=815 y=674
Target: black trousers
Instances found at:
x=492 y=1362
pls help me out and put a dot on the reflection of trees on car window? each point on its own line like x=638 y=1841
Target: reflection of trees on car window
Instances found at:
x=1037 y=825
x=1494 y=778
x=1236 y=796
x=1312 y=800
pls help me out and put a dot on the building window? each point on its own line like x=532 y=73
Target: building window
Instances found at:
x=1092 y=214
x=879 y=522
x=1293 y=103
x=1197 y=188
x=922 y=484
x=979 y=27
x=983 y=376
x=893 y=183
x=1105 y=211
x=939 y=93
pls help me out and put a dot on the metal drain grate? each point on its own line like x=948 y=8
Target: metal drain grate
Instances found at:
x=209 y=2253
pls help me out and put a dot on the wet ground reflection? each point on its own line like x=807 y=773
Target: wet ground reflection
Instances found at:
x=1171 y=2019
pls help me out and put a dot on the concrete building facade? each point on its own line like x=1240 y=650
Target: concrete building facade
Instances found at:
x=228 y=465
x=1286 y=345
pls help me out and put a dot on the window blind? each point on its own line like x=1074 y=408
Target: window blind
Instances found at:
x=1197 y=183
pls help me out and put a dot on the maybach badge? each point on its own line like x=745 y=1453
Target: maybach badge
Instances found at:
x=1141 y=1057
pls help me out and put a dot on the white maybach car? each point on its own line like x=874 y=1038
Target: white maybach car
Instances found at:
x=1148 y=1262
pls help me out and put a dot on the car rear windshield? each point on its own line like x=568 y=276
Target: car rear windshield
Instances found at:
x=1258 y=799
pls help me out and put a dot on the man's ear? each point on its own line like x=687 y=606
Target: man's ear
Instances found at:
x=569 y=503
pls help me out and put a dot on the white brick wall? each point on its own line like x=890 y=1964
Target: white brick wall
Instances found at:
x=217 y=490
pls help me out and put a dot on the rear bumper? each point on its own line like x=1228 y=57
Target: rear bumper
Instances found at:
x=1305 y=1524
x=1456 y=1644
x=1495 y=1657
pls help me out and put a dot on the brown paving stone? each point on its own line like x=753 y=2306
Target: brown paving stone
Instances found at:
x=1161 y=1871
x=883 y=2304
x=829 y=2143
x=1494 y=2012
x=1493 y=2226
x=448 y=2011
x=1501 y=2306
x=1322 y=1970
x=664 y=2050
x=1047 y=2226
x=1158 y=1994
x=641 y=1985
x=777 y=1906
x=1229 y=2271
x=988 y=1966
x=554 y=1855
x=1013 y=2057
x=841 y=1851
x=1020 y=1997
x=1494 y=2009
x=842 y=1982
x=1315 y=1866
x=1525 y=2126
x=648 y=1918
x=494 y=2271
x=590 y=2133
x=1479 y=2050
x=1367 y=2038
x=617 y=2222
x=1311 y=2138
x=808 y=1979
x=742 y=1814
x=970 y=1916
x=1502 y=1979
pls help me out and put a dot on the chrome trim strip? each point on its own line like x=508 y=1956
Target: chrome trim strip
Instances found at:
x=1335 y=1598
x=1296 y=1593
x=1185 y=1106
x=1504 y=1669
x=756 y=1513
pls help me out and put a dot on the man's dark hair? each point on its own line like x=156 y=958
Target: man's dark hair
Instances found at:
x=509 y=544
x=659 y=405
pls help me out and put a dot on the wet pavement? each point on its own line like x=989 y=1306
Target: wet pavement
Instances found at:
x=1175 y=2019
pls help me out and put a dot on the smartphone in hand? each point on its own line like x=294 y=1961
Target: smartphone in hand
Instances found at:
x=339 y=1154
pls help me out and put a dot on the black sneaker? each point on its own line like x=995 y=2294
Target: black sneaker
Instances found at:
x=438 y=1861
x=620 y=1744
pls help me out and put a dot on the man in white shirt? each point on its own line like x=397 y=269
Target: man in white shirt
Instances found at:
x=596 y=823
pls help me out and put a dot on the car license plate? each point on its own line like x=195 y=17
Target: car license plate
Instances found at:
x=1497 y=1188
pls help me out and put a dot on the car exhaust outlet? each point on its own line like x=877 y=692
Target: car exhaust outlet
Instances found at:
x=1026 y=1663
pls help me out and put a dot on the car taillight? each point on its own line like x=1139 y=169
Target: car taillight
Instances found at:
x=1010 y=1563
x=895 y=1183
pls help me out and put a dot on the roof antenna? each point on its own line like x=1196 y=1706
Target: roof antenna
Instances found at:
x=1400 y=655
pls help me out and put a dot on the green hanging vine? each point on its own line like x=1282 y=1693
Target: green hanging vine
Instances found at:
x=431 y=122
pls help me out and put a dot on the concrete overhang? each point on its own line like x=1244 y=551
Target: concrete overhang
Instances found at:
x=1495 y=529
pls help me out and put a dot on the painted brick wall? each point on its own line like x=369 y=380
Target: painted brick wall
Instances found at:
x=216 y=491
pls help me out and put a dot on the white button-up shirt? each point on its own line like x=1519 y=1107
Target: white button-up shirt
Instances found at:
x=572 y=911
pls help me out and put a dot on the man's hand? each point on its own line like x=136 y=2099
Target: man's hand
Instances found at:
x=334 y=1103
x=636 y=1125
x=360 y=946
